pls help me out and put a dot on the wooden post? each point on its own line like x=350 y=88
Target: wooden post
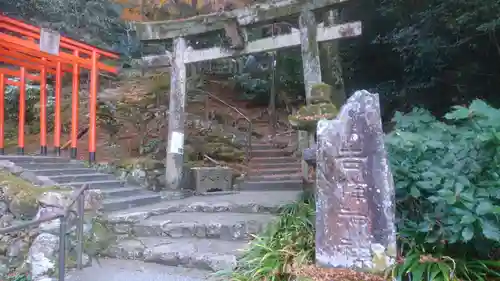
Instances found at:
x=312 y=70
x=175 y=147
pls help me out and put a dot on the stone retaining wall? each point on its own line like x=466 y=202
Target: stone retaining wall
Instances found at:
x=34 y=251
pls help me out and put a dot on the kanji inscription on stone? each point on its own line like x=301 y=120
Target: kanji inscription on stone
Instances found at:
x=355 y=190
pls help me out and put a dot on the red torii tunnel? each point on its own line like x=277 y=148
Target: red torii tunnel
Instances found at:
x=20 y=49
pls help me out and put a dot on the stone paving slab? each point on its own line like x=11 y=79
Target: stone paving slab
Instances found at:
x=221 y=225
x=207 y=254
x=243 y=202
x=127 y=270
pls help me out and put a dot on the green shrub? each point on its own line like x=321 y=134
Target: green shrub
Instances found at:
x=286 y=243
x=447 y=180
x=447 y=184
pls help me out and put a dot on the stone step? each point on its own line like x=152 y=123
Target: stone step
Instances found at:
x=108 y=269
x=44 y=165
x=224 y=226
x=204 y=254
x=82 y=177
x=98 y=184
x=276 y=177
x=276 y=159
x=268 y=202
x=277 y=171
x=34 y=159
x=271 y=185
x=123 y=191
x=268 y=153
x=62 y=171
x=262 y=146
x=121 y=203
x=264 y=165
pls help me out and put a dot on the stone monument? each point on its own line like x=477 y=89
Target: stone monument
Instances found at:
x=355 y=190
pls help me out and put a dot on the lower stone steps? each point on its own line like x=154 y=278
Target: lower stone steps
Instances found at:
x=205 y=232
x=133 y=270
x=222 y=225
x=264 y=202
x=206 y=254
x=127 y=202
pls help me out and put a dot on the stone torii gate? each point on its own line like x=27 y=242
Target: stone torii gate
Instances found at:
x=235 y=23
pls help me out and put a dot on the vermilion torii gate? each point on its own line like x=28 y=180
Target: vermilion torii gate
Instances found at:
x=33 y=53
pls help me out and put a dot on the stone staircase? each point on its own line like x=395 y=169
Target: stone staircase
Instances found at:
x=202 y=232
x=49 y=170
x=272 y=168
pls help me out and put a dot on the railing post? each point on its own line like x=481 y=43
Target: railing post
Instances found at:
x=79 y=230
x=62 y=248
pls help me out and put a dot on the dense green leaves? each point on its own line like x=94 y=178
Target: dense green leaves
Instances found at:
x=447 y=192
x=287 y=243
x=446 y=174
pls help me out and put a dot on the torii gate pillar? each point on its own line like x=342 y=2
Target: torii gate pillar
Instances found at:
x=176 y=116
x=312 y=71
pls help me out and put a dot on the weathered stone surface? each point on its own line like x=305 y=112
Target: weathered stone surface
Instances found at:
x=93 y=199
x=143 y=171
x=309 y=155
x=35 y=250
x=37 y=180
x=207 y=254
x=6 y=220
x=4 y=208
x=355 y=190
x=320 y=93
x=210 y=179
x=43 y=255
x=256 y=13
x=11 y=167
x=22 y=207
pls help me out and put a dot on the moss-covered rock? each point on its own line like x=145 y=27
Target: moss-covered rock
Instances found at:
x=21 y=195
x=321 y=93
x=308 y=116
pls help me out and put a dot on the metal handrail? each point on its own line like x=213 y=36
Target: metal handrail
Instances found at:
x=248 y=148
x=63 y=216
